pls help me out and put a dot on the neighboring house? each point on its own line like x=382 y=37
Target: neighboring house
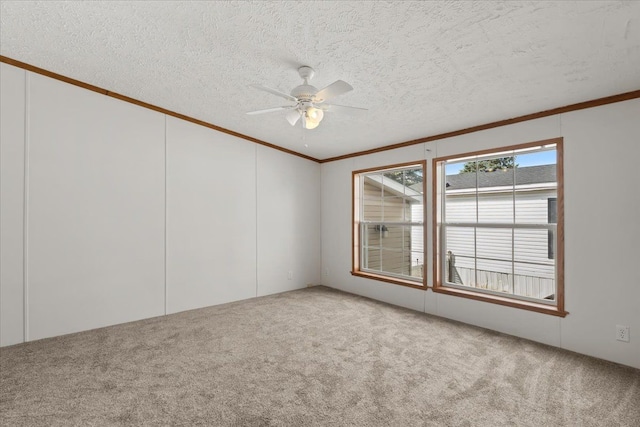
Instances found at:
x=489 y=264
x=390 y=247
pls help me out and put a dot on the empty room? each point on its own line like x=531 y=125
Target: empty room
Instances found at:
x=320 y=213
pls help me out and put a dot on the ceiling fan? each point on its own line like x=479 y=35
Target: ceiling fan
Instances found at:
x=310 y=103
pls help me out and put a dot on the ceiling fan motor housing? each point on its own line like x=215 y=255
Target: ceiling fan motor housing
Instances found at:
x=304 y=92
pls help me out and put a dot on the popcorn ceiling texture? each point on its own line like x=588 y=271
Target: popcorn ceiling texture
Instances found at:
x=422 y=68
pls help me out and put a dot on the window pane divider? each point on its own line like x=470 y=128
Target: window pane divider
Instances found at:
x=416 y=223
x=394 y=275
x=524 y=226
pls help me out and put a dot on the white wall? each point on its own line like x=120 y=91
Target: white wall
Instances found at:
x=211 y=217
x=131 y=214
x=95 y=201
x=288 y=222
x=602 y=232
x=12 y=87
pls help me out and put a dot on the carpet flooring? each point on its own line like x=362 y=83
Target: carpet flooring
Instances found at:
x=313 y=357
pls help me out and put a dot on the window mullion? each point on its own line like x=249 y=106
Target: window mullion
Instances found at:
x=475 y=233
x=513 y=230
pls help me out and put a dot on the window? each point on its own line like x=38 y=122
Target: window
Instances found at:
x=388 y=224
x=498 y=227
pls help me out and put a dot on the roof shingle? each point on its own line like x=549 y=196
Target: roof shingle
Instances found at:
x=500 y=178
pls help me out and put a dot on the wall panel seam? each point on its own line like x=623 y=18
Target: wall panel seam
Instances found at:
x=165 y=214
x=25 y=210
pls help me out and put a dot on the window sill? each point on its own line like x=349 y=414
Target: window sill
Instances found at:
x=509 y=302
x=394 y=280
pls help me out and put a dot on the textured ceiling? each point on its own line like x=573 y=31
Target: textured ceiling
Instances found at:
x=421 y=68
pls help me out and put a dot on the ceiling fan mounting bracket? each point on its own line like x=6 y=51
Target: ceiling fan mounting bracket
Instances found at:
x=306 y=72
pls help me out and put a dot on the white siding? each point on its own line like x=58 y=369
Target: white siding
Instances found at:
x=502 y=259
x=530 y=207
x=529 y=245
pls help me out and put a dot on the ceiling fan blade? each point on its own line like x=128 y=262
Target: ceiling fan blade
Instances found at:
x=293 y=116
x=334 y=89
x=335 y=107
x=274 y=92
x=271 y=110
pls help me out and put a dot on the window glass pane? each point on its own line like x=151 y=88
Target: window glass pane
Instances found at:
x=552 y=218
x=373 y=235
x=460 y=269
x=393 y=208
x=487 y=166
x=535 y=184
x=372 y=209
x=398 y=251
x=394 y=249
x=416 y=248
x=460 y=208
x=395 y=238
x=534 y=281
x=394 y=180
x=371 y=258
x=395 y=261
x=413 y=180
x=460 y=192
x=532 y=246
x=405 y=181
x=460 y=255
x=495 y=190
x=495 y=207
x=494 y=243
x=534 y=272
x=532 y=206
x=372 y=187
x=494 y=275
x=415 y=209
x=460 y=241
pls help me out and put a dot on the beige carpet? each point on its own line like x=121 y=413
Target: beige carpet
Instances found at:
x=314 y=357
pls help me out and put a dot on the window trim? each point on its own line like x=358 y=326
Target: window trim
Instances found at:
x=438 y=285
x=355 y=227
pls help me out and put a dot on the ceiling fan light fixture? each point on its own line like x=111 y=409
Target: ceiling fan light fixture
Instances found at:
x=312 y=117
x=310 y=125
x=314 y=114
